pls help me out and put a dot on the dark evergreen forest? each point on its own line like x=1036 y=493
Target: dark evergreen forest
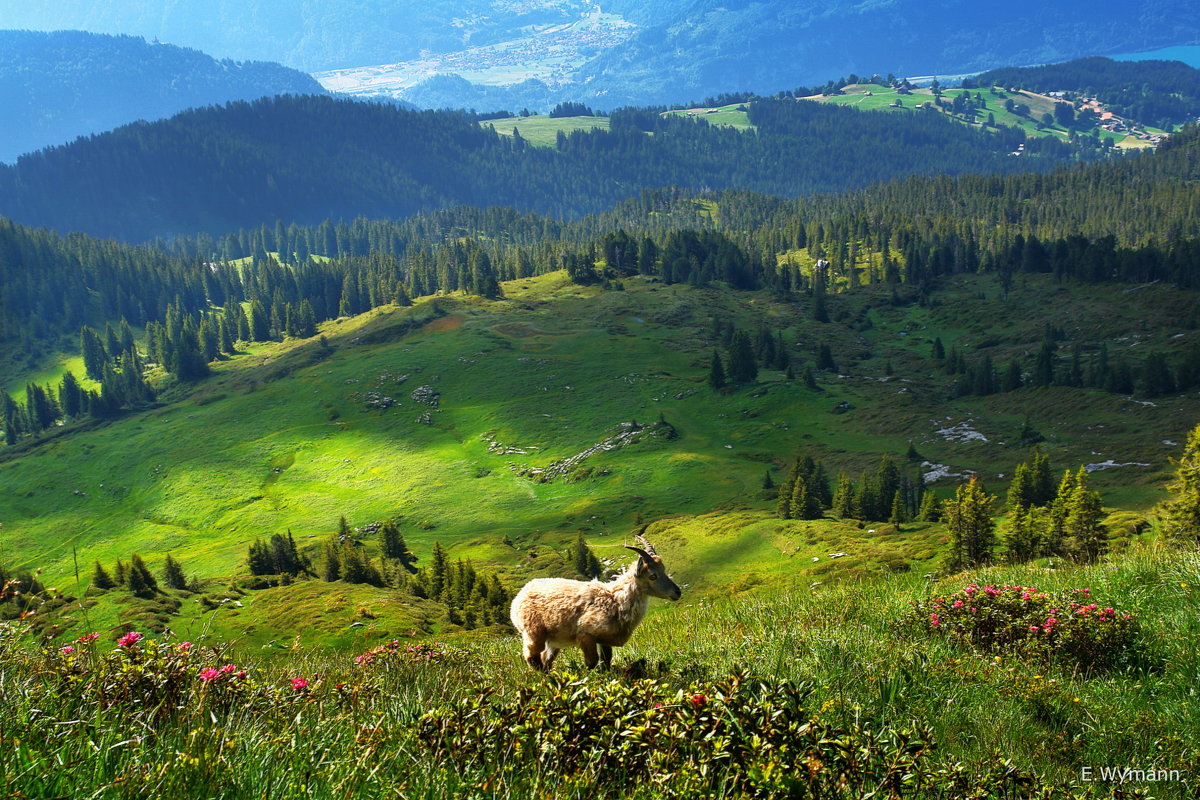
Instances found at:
x=1134 y=220
x=307 y=159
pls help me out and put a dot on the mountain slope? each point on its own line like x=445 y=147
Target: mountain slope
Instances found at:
x=710 y=46
x=57 y=86
x=679 y=49
x=307 y=159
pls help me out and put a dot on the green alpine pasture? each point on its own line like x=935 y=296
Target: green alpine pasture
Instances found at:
x=877 y=97
x=542 y=130
x=290 y=436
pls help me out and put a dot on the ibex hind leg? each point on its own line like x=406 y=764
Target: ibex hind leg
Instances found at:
x=589 y=653
x=605 y=656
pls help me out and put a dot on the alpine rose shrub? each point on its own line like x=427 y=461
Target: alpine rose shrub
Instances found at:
x=1066 y=625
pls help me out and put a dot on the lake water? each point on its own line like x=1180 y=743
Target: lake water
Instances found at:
x=1188 y=54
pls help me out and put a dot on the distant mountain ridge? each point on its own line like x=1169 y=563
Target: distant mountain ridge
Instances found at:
x=675 y=48
x=57 y=86
x=310 y=158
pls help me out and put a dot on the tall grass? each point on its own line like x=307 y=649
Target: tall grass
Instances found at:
x=844 y=661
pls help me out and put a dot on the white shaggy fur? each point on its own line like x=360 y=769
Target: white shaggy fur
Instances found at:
x=553 y=613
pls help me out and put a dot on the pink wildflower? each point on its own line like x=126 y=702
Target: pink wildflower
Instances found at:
x=210 y=674
x=699 y=700
x=299 y=683
x=88 y=638
x=183 y=647
x=958 y=603
x=129 y=639
x=66 y=650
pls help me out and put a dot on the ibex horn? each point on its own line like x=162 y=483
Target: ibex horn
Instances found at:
x=641 y=537
x=641 y=553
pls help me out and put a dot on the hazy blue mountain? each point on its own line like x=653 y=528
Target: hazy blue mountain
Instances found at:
x=57 y=86
x=710 y=46
x=676 y=49
x=309 y=36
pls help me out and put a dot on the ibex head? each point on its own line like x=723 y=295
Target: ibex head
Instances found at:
x=651 y=573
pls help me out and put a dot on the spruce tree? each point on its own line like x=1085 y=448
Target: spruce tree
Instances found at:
x=394 y=547
x=1054 y=540
x=1021 y=538
x=929 y=510
x=716 y=372
x=94 y=356
x=1086 y=535
x=805 y=499
x=972 y=529
x=1181 y=514
x=743 y=368
x=100 y=577
x=172 y=574
x=333 y=563
x=585 y=561
x=121 y=573
x=810 y=380
x=141 y=580
x=258 y=559
x=439 y=569
x=843 y=497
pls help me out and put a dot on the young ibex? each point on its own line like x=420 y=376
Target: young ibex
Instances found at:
x=553 y=613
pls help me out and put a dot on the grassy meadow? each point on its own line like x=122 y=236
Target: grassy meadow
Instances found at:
x=285 y=438
x=841 y=688
x=780 y=654
x=877 y=97
x=541 y=130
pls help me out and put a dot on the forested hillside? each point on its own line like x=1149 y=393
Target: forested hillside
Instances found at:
x=57 y=86
x=306 y=159
x=1162 y=93
x=1130 y=221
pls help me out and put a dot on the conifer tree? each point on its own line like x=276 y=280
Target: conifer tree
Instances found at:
x=259 y=560
x=809 y=380
x=743 y=368
x=1022 y=539
x=1054 y=540
x=929 y=510
x=805 y=501
x=172 y=575
x=585 y=561
x=94 y=356
x=121 y=573
x=716 y=372
x=825 y=358
x=394 y=547
x=100 y=577
x=141 y=580
x=972 y=530
x=1086 y=535
x=843 y=497
x=333 y=563
x=1180 y=515
x=768 y=482
x=439 y=571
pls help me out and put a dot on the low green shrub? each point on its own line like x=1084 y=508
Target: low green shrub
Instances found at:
x=1066 y=625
